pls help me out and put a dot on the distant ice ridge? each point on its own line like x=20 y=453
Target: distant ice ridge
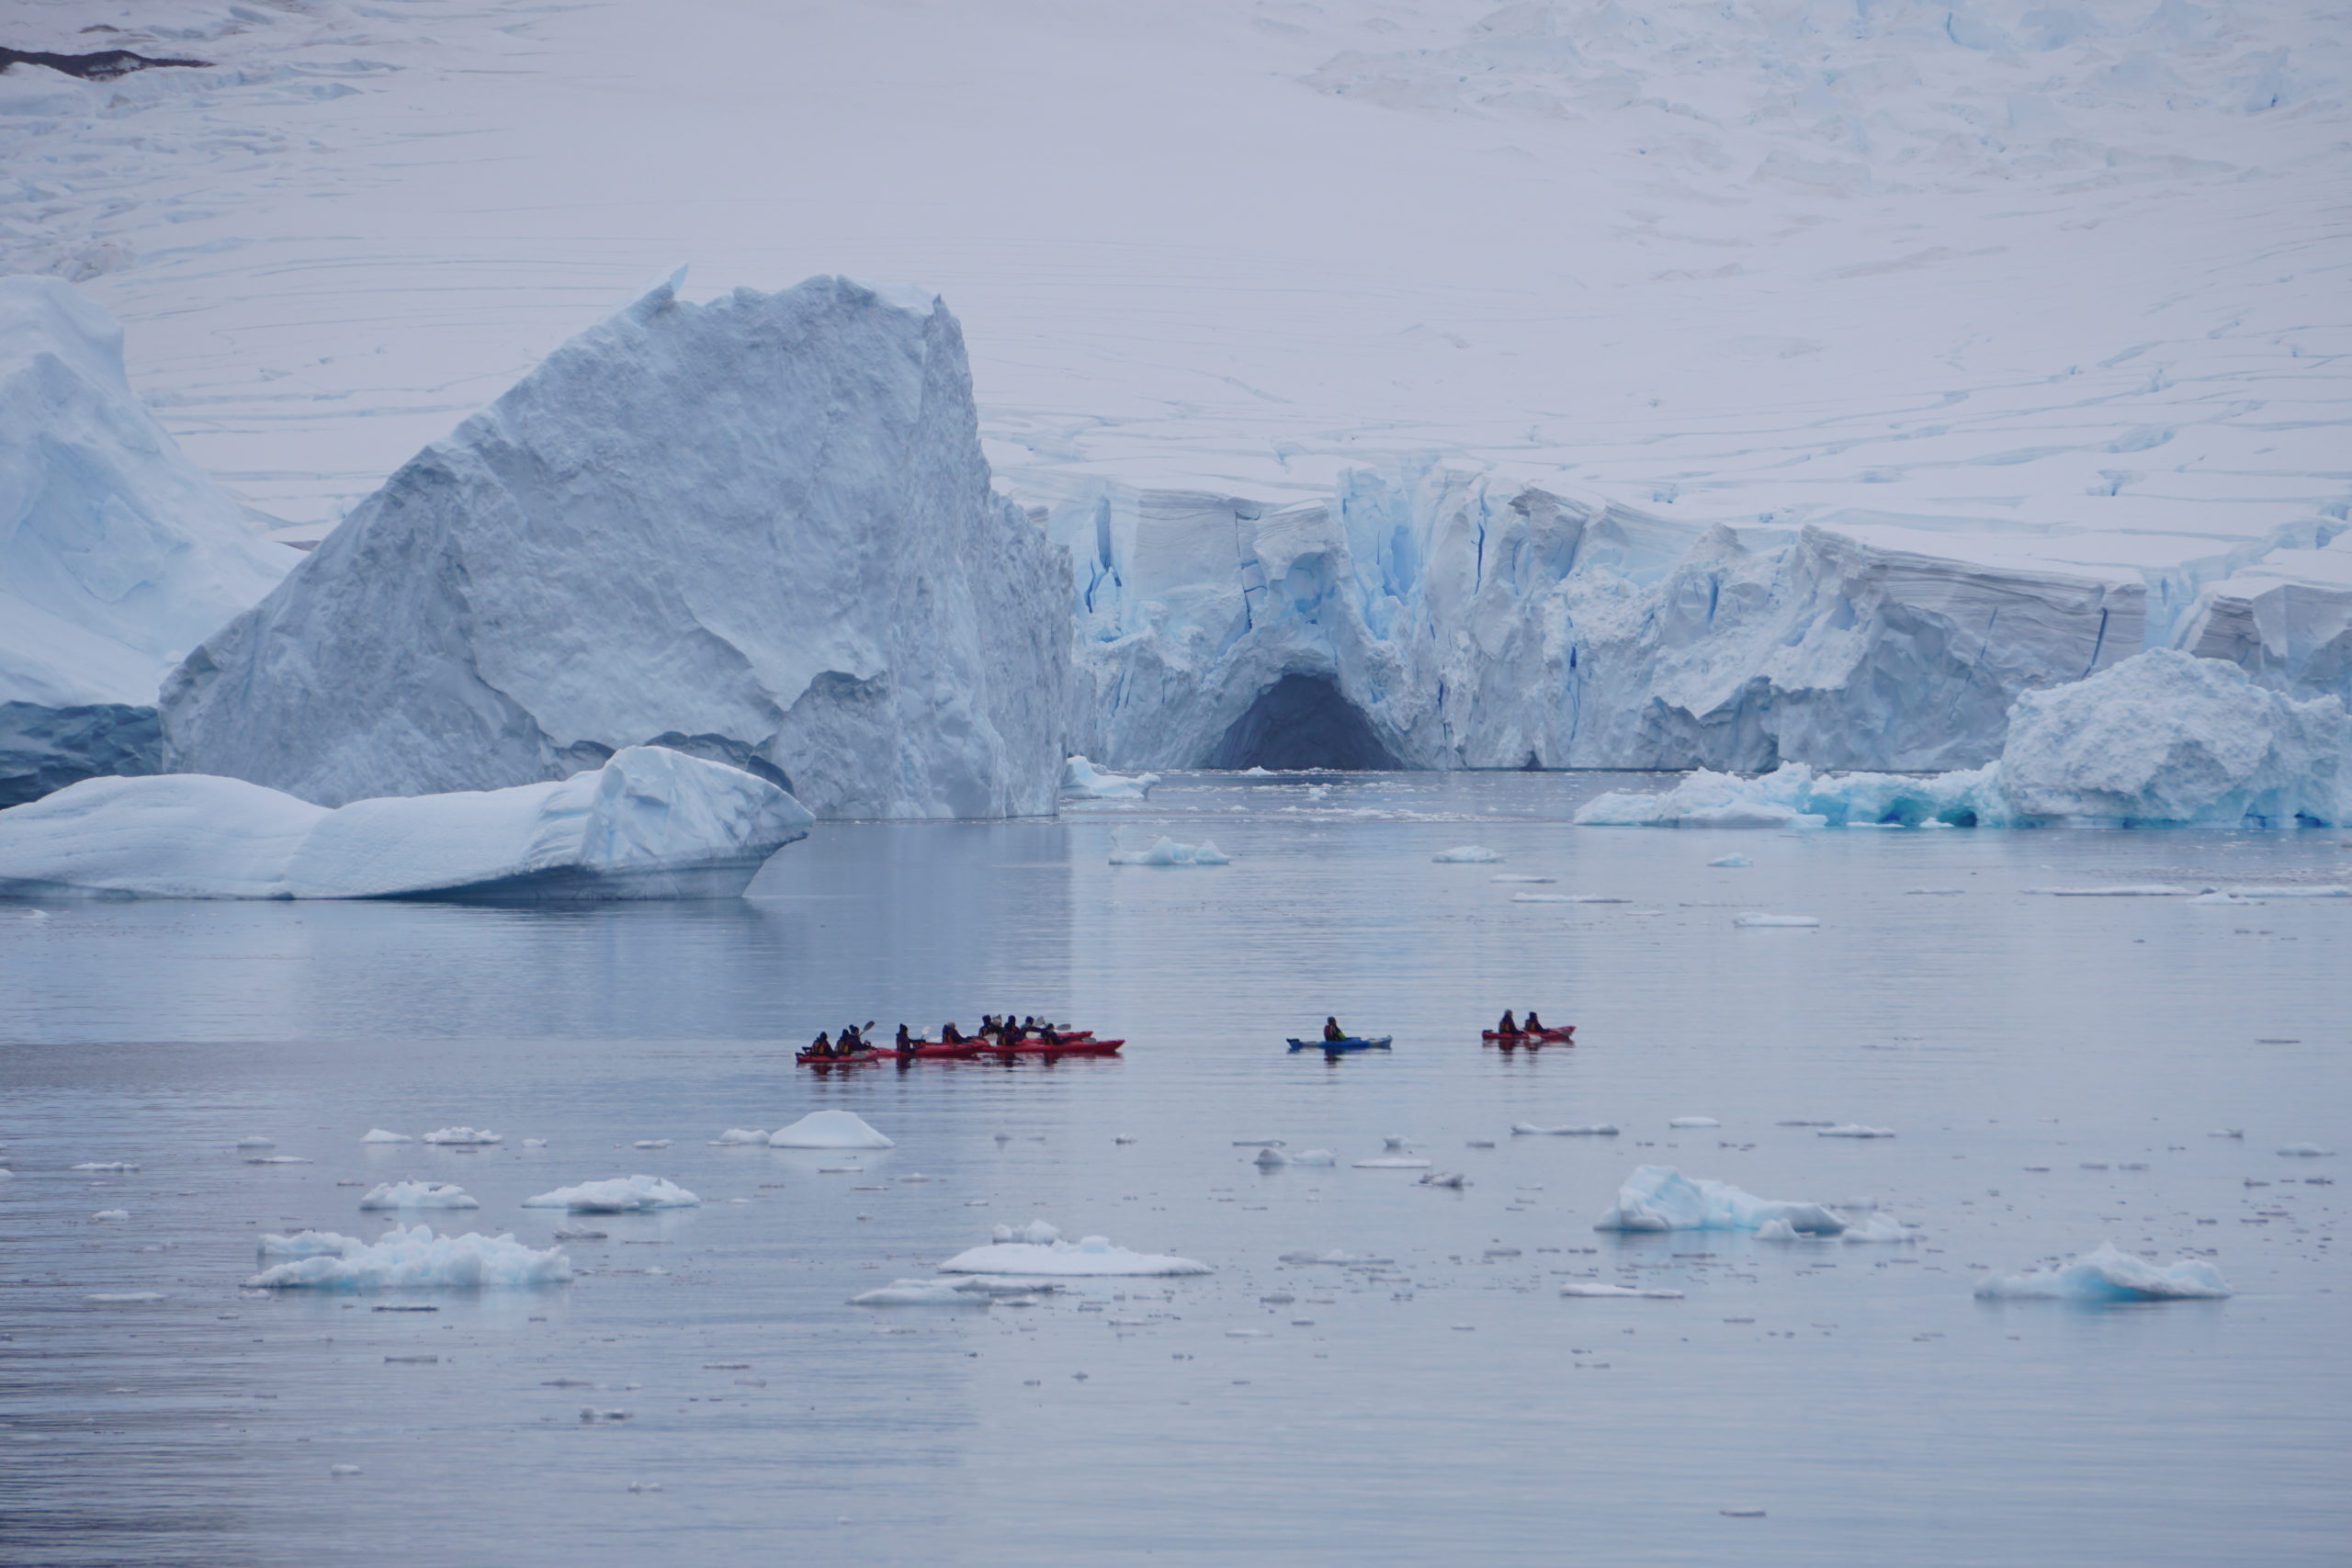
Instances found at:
x=2111 y=1274
x=1081 y=780
x=116 y=555
x=2162 y=740
x=1039 y=1249
x=759 y=530
x=649 y=823
x=619 y=1195
x=406 y=1259
x=1660 y=1197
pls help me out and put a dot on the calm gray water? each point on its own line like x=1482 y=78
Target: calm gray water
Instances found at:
x=1449 y=1406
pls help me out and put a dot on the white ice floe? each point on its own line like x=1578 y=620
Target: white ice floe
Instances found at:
x=2292 y=890
x=105 y=1165
x=1791 y=921
x=124 y=1298
x=1335 y=1258
x=829 y=1130
x=279 y=1159
x=617 y=1195
x=255 y=1141
x=2160 y=740
x=379 y=1135
x=1466 y=855
x=2128 y=890
x=1081 y=780
x=650 y=1144
x=1168 y=852
x=414 y=1194
x=1445 y=1179
x=649 y=823
x=2111 y=1274
x=739 y=1135
x=111 y=1214
x=2306 y=1151
x=1573 y=1129
x=1037 y=1248
x=1660 y=1197
x=773 y=483
x=407 y=1260
x=1731 y=862
x=464 y=1137
x=1692 y=1122
x=1269 y=1159
x=1854 y=1130
x=1393 y=1162
x=924 y=1292
x=1595 y=1288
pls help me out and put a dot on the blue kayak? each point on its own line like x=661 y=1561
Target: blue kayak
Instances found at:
x=1351 y=1042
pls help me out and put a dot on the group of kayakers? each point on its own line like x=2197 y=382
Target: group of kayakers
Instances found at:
x=995 y=1030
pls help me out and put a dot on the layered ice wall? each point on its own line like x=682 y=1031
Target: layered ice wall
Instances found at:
x=1434 y=618
x=117 y=556
x=759 y=530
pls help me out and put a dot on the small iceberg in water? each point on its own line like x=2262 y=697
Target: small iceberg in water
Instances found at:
x=1081 y=780
x=406 y=1260
x=418 y=1195
x=1466 y=855
x=2111 y=1274
x=829 y=1130
x=1037 y=1248
x=620 y=1195
x=1168 y=852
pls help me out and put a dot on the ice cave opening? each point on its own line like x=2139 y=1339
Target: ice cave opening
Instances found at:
x=1302 y=721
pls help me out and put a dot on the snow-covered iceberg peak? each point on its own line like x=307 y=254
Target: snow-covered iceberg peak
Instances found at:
x=649 y=824
x=116 y=555
x=759 y=529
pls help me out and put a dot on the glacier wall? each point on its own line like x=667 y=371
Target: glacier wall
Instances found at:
x=758 y=530
x=1448 y=619
x=116 y=554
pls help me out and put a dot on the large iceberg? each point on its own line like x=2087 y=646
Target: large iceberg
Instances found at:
x=116 y=555
x=760 y=530
x=649 y=824
x=2162 y=740
x=1429 y=617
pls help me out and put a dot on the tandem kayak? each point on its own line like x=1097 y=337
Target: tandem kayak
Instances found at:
x=855 y=1059
x=1559 y=1036
x=1351 y=1042
x=1067 y=1046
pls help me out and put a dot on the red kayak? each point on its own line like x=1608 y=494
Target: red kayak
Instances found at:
x=1069 y=1045
x=855 y=1059
x=929 y=1049
x=1560 y=1036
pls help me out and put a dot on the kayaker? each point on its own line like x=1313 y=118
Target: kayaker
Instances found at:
x=1047 y=1033
x=906 y=1039
x=1331 y=1029
x=1506 y=1026
x=822 y=1046
x=850 y=1040
x=949 y=1035
x=1534 y=1025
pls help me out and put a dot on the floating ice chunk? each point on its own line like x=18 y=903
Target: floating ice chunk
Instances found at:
x=1590 y=1129
x=1780 y=1230
x=1270 y=1159
x=1393 y=1162
x=378 y=1136
x=1466 y=855
x=1036 y=1233
x=2329 y=890
x=279 y=1159
x=2306 y=1151
x=111 y=1214
x=1566 y=898
x=108 y=1164
x=418 y=1195
x=1854 y=1130
x=534 y=1142
x=1444 y=1178
x=412 y=1259
x=619 y=1195
x=1692 y=1122
x=124 y=1298
x=1595 y=1288
x=2133 y=890
x=1093 y=1256
x=1933 y=892
x=650 y=1144
x=1081 y=780
x=737 y=1135
x=829 y=1130
x=1732 y=862
x=255 y=1141
x=464 y=1137
x=1660 y=1197
x=1336 y=1257
x=2111 y=1274
x=924 y=1292
x=309 y=1244
x=1789 y=921
x=1874 y=1227
x=1168 y=852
